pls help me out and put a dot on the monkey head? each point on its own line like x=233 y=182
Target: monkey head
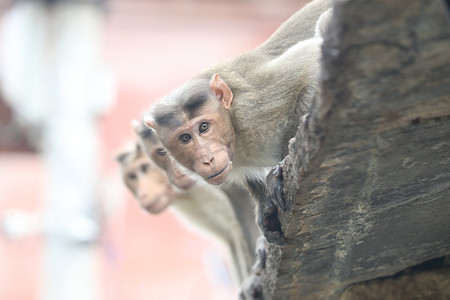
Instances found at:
x=194 y=124
x=153 y=148
x=148 y=183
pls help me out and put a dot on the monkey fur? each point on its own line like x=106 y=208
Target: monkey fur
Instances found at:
x=203 y=208
x=232 y=122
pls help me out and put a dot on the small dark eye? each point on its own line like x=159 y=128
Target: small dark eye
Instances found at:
x=203 y=127
x=144 y=168
x=161 y=151
x=185 y=138
x=132 y=176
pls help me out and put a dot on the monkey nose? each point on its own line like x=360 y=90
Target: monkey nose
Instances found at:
x=142 y=196
x=208 y=160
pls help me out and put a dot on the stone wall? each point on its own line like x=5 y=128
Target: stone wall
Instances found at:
x=368 y=177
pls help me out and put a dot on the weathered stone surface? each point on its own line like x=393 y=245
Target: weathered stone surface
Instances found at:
x=368 y=178
x=427 y=284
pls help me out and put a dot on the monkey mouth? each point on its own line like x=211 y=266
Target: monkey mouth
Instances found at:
x=151 y=206
x=157 y=205
x=181 y=180
x=216 y=175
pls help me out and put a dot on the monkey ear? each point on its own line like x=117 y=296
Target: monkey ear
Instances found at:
x=136 y=125
x=150 y=122
x=221 y=90
x=120 y=157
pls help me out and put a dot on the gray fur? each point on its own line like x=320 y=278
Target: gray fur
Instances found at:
x=272 y=85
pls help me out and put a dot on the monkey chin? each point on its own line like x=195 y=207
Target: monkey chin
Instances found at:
x=158 y=205
x=180 y=180
x=183 y=182
x=221 y=176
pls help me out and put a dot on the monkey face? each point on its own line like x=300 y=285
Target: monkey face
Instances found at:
x=205 y=145
x=149 y=184
x=194 y=124
x=162 y=159
x=154 y=149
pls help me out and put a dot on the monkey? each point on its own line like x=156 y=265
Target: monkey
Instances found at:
x=232 y=123
x=194 y=204
x=196 y=207
x=239 y=198
x=148 y=184
x=151 y=146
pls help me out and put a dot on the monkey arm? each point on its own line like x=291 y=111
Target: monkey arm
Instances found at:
x=322 y=23
x=274 y=183
x=207 y=210
x=299 y=27
x=252 y=288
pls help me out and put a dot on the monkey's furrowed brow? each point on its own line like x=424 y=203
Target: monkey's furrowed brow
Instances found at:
x=147 y=134
x=193 y=105
x=171 y=120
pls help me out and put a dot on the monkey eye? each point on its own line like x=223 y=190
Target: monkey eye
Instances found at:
x=185 y=138
x=132 y=176
x=204 y=126
x=144 y=168
x=161 y=151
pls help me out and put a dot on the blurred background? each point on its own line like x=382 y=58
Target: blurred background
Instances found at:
x=73 y=73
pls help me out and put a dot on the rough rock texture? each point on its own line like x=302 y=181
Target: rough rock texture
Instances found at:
x=368 y=177
x=410 y=284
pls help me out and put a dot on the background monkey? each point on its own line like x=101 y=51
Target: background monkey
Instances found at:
x=239 y=198
x=148 y=184
x=233 y=121
x=196 y=205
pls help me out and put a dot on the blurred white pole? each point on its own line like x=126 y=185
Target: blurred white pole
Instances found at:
x=70 y=149
x=63 y=84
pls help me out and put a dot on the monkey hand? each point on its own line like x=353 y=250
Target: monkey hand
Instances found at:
x=260 y=252
x=270 y=224
x=251 y=289
x=274 y=182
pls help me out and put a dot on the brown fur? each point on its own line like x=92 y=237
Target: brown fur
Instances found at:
x=197 y=208
x=253 y=107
